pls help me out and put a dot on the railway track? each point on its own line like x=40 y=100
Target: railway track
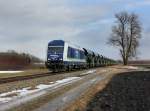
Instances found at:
x=28 y=77
x=33 y=76
x=20 y=78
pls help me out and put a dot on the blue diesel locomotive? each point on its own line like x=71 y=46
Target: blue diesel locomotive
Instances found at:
x=62 y=56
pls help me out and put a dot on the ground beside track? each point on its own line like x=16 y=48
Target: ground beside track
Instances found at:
x=107 y=72
x=78 y=73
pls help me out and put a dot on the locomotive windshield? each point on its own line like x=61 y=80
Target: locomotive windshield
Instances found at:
x=56 y=50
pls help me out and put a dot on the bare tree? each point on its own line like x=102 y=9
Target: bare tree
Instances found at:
x=126 y=34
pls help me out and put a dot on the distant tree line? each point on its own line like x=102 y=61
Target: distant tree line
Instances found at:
x=28 y=57
x=13 y=59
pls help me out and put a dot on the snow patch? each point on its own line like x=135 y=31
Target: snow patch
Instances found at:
x=131 y=67
x=11 y=71
x=67 y=79
x=6 y=97
x=88 y=72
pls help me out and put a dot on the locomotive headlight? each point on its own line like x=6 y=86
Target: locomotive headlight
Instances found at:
x=61 y=59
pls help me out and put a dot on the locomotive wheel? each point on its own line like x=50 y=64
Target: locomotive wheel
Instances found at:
x=55 y=68
x=68 y=68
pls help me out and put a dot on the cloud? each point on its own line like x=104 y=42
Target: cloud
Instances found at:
x=28 y=25
x=137 y=4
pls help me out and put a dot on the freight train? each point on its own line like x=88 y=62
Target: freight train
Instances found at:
x=64 y=56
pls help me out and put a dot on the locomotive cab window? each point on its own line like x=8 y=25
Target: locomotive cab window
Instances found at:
x=56 y=50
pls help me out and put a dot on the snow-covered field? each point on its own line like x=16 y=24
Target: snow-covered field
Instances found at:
x=8 y=96
x=10 y=72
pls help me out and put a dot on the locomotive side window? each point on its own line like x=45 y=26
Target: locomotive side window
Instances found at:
x=70 y=53
x=82 y=56
x=75 y=53
x=55 y=50
x=77 y=56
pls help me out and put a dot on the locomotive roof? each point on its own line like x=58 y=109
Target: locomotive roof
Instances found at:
x=62 y=43
x=56 y=43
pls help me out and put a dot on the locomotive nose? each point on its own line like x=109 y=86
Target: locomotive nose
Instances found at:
x=54 y=57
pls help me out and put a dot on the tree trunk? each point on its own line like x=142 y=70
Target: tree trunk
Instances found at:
x=125 y=60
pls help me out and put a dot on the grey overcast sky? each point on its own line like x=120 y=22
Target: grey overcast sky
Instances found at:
x=28 y=25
